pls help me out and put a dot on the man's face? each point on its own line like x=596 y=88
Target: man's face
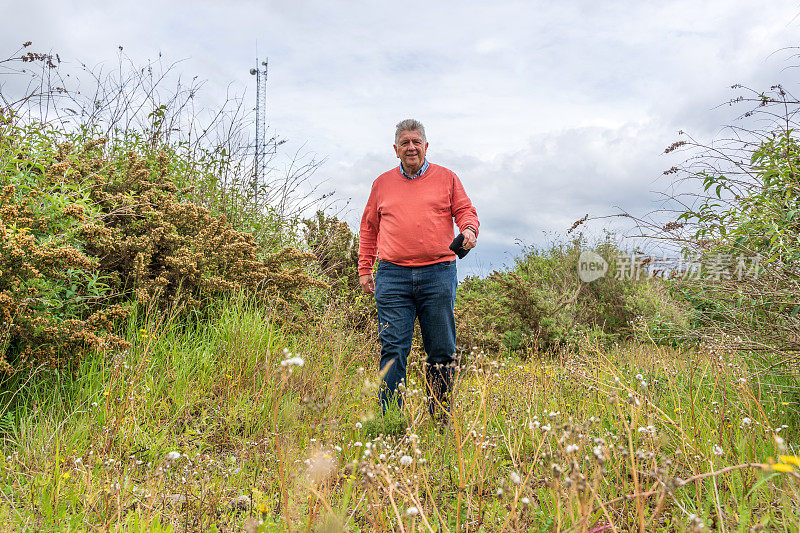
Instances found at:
x=410 y=148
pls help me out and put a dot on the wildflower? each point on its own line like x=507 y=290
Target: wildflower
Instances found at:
x=790 y=459
x=357 y=444
x=525 y=500
x=406 y=460
x=677 y=410
x=546 y=427
x=746 y=421
x=293 y=361
x=515 y=479
x=784 y=403
x=781 y=467
x=717 y=450
x=172 y=456
x=639 y=377
x=358 y=425
x=65 y=475
x=499 y=491
x=412 y=511
x=571 y=448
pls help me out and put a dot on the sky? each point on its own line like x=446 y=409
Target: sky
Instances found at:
x=547 y=111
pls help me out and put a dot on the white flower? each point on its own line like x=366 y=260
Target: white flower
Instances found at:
x=515 y=479
x=746 y=421
x=382 y=457
x=293 y=361
x=358 y=425
x=406 y=460
x=717 y=450
x=525 y=501
x=357 y=444
x=172 y=456
x=546 y=427
x=412 y=511
x=571 y=448
x=639 y=377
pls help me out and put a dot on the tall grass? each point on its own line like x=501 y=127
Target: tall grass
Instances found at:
x=216 y=424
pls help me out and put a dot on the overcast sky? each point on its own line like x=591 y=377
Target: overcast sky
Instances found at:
x=546 y=110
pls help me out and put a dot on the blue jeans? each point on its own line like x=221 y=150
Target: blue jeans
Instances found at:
x=403 y=294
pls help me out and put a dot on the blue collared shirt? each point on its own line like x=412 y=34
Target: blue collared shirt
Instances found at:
x=419 y=173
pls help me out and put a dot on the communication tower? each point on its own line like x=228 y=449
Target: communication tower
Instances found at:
x=265 y=148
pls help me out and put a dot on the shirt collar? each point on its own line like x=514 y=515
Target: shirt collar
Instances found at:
x=419 y=173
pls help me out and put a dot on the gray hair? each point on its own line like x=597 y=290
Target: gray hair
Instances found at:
x=409 y=124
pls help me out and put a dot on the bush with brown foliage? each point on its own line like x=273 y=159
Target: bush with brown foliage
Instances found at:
x=335 y=247
x=88 y=229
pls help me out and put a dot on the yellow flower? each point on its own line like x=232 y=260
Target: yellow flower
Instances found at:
x=143 y=331
x=784 y=403
x=780 y=467
x=106 y=393
x=677 y=409
x=790 y=459
x=263 y=508
x=65 y=475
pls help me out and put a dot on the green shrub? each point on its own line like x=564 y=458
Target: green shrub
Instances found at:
x=747 y=213
x=540 y=303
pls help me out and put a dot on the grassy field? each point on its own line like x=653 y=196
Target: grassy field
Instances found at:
x=233 y=425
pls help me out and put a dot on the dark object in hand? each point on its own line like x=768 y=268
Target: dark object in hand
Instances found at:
x=458 y=246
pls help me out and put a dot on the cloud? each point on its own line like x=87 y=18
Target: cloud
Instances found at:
x=546 y=110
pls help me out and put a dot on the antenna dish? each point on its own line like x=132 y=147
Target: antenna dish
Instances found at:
x=253 y=71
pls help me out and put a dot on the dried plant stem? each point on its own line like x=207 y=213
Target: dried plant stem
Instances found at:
x=691 y=479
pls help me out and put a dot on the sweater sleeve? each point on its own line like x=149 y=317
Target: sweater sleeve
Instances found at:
x=368 y=235
x=461 y=207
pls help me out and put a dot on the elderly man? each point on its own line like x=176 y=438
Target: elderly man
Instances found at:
x=408 y=226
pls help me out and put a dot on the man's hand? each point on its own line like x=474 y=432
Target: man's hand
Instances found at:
x=470 y=239
x=367 y=283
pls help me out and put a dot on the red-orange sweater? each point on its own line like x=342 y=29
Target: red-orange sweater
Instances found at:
x=409 y=222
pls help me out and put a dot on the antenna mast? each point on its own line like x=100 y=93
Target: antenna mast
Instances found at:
x=261 y=152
